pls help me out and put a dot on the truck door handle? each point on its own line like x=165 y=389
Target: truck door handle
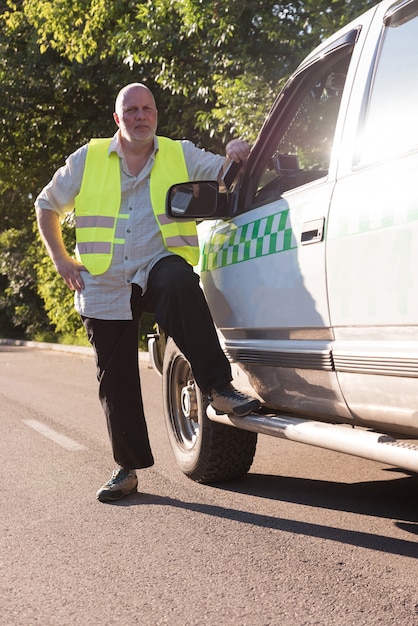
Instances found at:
x=312 y=231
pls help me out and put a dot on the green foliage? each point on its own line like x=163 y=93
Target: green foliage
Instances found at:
x=21 y=308
x=213 y=55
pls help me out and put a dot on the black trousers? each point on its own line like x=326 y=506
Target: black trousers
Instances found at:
x=175 y=298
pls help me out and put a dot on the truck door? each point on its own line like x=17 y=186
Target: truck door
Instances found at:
x=372 y=254
x=263 y=271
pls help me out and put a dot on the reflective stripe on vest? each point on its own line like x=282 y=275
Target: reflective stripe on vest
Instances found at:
x=98 y=203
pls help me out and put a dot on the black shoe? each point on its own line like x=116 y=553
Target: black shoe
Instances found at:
x=227 y=399
x=122 y=483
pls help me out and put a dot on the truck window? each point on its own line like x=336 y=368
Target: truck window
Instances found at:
x=391 y=122
x=302 y=150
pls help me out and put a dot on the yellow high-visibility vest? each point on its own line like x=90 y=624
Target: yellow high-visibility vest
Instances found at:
x=98 y=203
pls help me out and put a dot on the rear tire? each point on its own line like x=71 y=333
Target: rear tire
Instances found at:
x=207 y=452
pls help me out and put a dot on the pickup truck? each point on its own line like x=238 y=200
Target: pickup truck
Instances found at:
x=309 y=263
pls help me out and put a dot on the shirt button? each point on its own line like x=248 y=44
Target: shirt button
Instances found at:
x=128 y=281
x=128 y=231
x=130 y=208
x=126 y=258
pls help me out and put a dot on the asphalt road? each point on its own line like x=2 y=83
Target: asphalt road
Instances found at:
x=308 y=537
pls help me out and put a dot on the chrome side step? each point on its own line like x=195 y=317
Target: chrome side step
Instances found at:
x=338 y=437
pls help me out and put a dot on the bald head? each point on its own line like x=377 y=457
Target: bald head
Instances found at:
x=125 y=91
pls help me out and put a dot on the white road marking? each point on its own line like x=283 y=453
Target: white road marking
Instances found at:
x=61 y=440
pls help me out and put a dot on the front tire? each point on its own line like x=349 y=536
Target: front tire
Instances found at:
x=207 y=452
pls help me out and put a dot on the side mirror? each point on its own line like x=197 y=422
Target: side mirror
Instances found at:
x=196 y=201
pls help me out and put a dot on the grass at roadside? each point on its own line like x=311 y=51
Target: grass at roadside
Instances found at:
x=65 y=339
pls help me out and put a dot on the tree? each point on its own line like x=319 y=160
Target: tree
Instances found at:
x=224 y=58
x=21 y=308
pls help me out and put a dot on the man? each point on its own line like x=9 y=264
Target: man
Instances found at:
x=130 y=259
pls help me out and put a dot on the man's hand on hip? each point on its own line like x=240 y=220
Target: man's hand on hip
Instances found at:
x=70 y=269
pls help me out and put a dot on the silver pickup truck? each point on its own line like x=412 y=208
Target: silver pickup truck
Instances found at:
x=310 y=263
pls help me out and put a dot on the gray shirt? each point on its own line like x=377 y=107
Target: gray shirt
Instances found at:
x=107 y=296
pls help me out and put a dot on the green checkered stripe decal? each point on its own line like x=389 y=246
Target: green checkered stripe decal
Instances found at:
x=262 y=237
